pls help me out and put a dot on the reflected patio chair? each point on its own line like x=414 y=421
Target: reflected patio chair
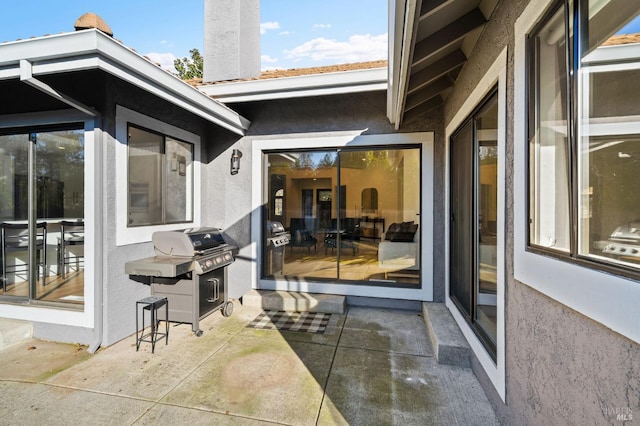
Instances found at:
x=71 y=235
x=14 y=238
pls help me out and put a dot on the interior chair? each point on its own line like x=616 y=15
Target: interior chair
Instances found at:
x=71 y=235
x=15 y=238
x=349 y=233
x=300 y=235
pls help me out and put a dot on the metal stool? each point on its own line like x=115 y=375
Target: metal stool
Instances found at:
x=152 y=304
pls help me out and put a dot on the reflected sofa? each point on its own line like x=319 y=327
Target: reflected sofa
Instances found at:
x=400 y=248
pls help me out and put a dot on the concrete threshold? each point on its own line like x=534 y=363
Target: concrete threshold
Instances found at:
x=295 y=302
x=449 y=344
x=14 y=332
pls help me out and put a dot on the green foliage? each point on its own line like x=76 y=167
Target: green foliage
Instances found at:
x=189 y=68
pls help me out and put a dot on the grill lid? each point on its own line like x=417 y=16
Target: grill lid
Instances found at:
x=187 y=242
x=274 y=228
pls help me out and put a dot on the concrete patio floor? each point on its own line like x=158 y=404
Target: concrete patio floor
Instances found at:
x=371 y=366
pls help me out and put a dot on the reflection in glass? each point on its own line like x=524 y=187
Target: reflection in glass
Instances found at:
x=160 y=179
x=58 y=182
x=609 y=129
x=336 y=232
x=487 y=193
x=548 y=149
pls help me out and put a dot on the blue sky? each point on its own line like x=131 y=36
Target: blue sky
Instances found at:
x=295 y=33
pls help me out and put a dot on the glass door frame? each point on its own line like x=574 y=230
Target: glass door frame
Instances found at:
x=32 y=131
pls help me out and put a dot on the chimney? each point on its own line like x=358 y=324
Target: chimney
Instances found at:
x=231 y=39
x=91 y=20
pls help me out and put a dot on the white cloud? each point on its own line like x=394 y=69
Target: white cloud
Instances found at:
x=271 y=68
x=359 y=48
x=268 y=59
x=286 y=32
x=163 y=42
x=164 y=59
x=316 y=26
x=265 y=26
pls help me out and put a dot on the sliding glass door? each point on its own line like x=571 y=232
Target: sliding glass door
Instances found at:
x=473 y=221
x=42 y=214
x=353 y=215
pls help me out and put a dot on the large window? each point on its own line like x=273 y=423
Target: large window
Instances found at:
x=42 y=214
x=353 y=215
x=160 y=185
x=584 y=132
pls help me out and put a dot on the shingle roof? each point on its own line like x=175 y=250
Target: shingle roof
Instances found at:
x=617 y=40
x=296 y=72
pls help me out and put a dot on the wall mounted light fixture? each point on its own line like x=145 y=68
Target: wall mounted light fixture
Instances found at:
x=236 y=155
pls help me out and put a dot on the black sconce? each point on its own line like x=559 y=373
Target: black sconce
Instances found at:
x=236 y=155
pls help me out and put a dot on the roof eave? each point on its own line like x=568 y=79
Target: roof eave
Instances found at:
x=356 y=81
x=402 y=31
x=92 y=49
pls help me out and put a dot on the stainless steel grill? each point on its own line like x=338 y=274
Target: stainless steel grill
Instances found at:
x=277 y=239
x=624 y=241
x=189 y=269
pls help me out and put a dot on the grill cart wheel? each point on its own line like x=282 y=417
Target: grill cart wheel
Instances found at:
x=198 y=333
x=227 y=310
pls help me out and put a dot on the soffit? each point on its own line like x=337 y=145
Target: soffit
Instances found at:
x=444 y=37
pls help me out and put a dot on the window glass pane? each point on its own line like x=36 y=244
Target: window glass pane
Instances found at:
x=179 y=171
x=58 y=182
x=487 y=206
x=548 y=136
x=296 y=182
x=145 y=177
x=14 y=205
x=60 y=201
x=338 y=208
x=609 y=132
x=14 y=166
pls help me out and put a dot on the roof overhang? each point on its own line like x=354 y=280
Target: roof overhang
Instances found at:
x=334 y=83
x=92 y=49
x=430 y=41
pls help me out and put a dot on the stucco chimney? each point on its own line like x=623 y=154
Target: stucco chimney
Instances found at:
x=231 y=39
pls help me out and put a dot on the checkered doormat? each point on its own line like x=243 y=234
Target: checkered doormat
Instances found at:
x=308 y=322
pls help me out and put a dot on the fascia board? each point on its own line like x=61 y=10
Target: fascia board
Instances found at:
x=302 y=93
x=74 y=51
x=299 y=86
x=134 y=63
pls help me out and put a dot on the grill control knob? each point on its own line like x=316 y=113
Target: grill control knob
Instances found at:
x=208 y=263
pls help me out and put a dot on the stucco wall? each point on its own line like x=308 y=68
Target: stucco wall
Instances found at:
x=232 y=202
x=561 y=367
x=120 y=293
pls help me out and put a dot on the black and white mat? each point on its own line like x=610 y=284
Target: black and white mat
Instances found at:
x=308 y=322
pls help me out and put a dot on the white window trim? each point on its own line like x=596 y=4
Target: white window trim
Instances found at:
x=606 y=298
x=497 y=74
x=92 y=136
x=139 y=234
x=336 y=140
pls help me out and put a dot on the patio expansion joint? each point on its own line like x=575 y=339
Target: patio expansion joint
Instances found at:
x=387 y=351
x=333 y=359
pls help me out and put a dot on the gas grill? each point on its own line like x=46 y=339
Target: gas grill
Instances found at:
x=190 y=270
x=277 y=239
x=624 y=242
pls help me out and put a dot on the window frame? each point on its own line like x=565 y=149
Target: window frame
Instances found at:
x=163 y=178
x=261 y=144
x=340 y=184
x=470 y=317
x=607 y=298
x=573 y=255
x=126 y=235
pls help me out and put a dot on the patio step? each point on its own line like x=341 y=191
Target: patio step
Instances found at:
x=449 y=344
x=295 y=302
x=14 y=332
